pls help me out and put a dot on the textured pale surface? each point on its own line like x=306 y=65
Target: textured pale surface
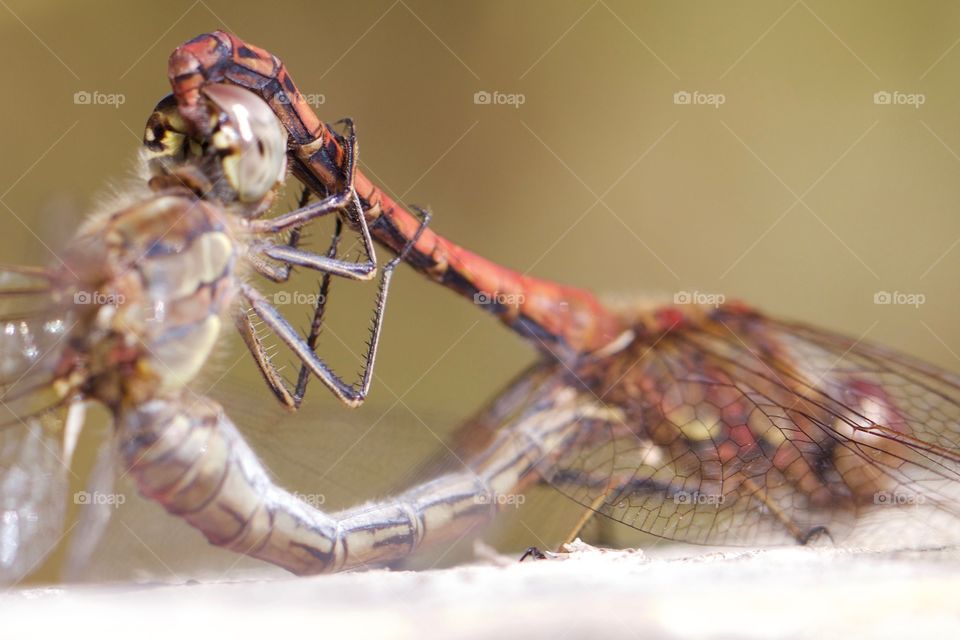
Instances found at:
x=592 y=593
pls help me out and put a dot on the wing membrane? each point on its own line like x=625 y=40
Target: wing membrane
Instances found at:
x=33 y=472
x=33 y=493
x=738 y=429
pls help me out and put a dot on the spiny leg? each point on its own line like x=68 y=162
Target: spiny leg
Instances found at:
x=347 y=393
x=280 y=266
x=281 y=273
x=248 y=331
x=316 y=323
x=263 y=360
x=345 y=202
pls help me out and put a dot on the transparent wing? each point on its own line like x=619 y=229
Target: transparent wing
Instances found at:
x=97 y=504
x=739 y=429
x=734 y=429
x=33 y=470
x=33 y=494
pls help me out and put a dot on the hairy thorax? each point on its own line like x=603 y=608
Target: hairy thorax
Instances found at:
x=145 y=290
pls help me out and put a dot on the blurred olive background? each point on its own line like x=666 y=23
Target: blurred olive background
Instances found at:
x=802 y=193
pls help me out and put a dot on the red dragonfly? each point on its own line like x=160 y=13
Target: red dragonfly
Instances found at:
x=563 y=320
x=719 y=425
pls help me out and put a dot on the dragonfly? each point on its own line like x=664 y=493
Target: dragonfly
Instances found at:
x=560 y=320
x=714 y=425
x=133 y=310
x=681 y=431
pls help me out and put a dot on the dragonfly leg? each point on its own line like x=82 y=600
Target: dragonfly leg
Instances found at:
x=294 y=257
x=317 y=321
x=263 y=360
x=346 y=202
x=302 y=215
x=533 y=553
x=281 y=272
x=814 y=533
x=350 y=142
x=347 y=393
x=801 y=535
x=319 y=311
x=290 y=255
x=276 y=261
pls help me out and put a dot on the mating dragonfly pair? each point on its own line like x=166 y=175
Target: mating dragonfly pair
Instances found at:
x=698 y=424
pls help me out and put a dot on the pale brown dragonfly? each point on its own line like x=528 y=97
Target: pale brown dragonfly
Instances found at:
x=131 y=313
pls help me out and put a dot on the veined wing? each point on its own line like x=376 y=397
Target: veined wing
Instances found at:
x=729 y=429
x=33 y=466
x=739 y=429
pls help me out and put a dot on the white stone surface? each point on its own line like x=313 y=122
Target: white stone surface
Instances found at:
x=590 y=593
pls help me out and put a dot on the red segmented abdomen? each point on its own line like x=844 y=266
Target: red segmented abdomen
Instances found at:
x=555 y=316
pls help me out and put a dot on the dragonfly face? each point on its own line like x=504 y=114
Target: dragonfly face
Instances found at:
x=147 y=285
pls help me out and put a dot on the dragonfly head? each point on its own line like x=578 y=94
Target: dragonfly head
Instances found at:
x=244 y=158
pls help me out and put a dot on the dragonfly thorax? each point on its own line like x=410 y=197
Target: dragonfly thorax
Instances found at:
x=146 y=289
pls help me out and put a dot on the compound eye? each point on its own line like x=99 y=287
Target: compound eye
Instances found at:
x=165 y=133
x=250 y=140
